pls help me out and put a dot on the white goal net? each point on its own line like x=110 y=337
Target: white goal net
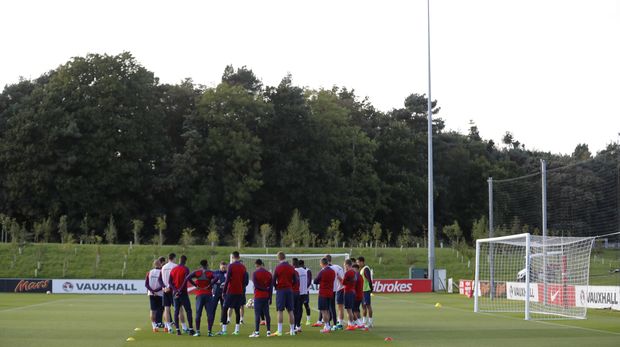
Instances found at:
x=533 y=275
x=311 y=261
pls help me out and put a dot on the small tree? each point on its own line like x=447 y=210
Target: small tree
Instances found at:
x=376 y=233
x=404 y=239
x=453 y=233
x=110 y=232
x=212 y=234
x=37 y=227
x=265 y=231
x=388 y=235
x=84 y=228
x=62 y=228
x=334 y=232
x=480 y=228
x=137 y=226
x=187 y=237
x=239 y=230
x=48 y=229
x=298 y=230
x=161 y=225
x=306 y=234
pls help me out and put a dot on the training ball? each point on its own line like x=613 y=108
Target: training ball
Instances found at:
x=137 y=329
x=48 y=292
x=438 y=305
x=250 y=303
x=129 y=339
x=388 y=339
x=372 y=294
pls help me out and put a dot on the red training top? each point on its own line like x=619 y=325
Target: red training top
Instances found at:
x=262 y=283
x=204 y=279
x=359 y=288
x=177 y=278
x=325 y=280
x=349 y=281
x=236 y=279
x=284 y=276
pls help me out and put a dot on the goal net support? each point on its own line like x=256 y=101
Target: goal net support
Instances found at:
x=533 y=275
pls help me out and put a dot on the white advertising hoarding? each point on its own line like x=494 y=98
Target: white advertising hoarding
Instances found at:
x=82 y=286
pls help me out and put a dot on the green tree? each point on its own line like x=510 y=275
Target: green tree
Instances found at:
x=334 y=233
x=404 y=238
x=110 y=232
x=160 y=226
x=265 y=232
x=88 y=136
x=187 y=237
x=212 y=233
x=453 y=232
x=63 y=229
x=84 y=228
x=376 y=233
x=137 y=226
x=239 y=231
x=480 y=228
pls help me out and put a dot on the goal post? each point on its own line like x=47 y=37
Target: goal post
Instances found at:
x=533 y=275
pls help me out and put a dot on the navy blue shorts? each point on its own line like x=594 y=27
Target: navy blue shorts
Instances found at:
x=155 y=302
x=349 y=301
x=168 y=299
x=324 y=303
x=366 y=300
x=233 y=300
x=356 y=306
x=305 y=298
x=183 y=301
x=340 y=297
x=284 y=300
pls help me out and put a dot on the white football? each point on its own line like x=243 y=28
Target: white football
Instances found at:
x=48 y=292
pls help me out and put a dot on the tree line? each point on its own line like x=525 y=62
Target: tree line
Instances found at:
x=99 y=150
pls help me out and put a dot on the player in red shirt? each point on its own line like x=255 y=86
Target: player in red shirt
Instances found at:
x=203 y=279
x=234 y=287
x=179 y=293
x=284 y=277
x=359 y=296
x=349 y=282
x=262 y=280
x=325 y=280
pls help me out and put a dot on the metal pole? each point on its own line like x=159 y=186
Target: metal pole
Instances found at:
x=491 y=232
x=431 y=226
x=490 y=182
x=527 y=276
x=543 y=183
x=477 y=276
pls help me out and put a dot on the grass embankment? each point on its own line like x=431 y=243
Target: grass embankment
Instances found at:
x=107 y=261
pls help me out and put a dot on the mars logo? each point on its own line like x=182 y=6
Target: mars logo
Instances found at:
x=67 y=287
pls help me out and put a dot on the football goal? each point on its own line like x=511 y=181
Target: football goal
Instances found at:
x=533 y=275
x=311 y=261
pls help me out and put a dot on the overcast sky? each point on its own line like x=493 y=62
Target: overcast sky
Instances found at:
x=547 y=70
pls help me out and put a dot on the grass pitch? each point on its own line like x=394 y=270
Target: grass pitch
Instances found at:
x=411 y=320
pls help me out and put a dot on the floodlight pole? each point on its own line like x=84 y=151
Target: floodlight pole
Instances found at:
x=431 y=215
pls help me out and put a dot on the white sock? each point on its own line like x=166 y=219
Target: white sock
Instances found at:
x=184 y=326
x=169 y=326
x=154 y=325
x=370 y=320
x=292 y=327
x=223 y=327
x=280 y=328
x=237 y=328
x=364 y=320
x=308 y=318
